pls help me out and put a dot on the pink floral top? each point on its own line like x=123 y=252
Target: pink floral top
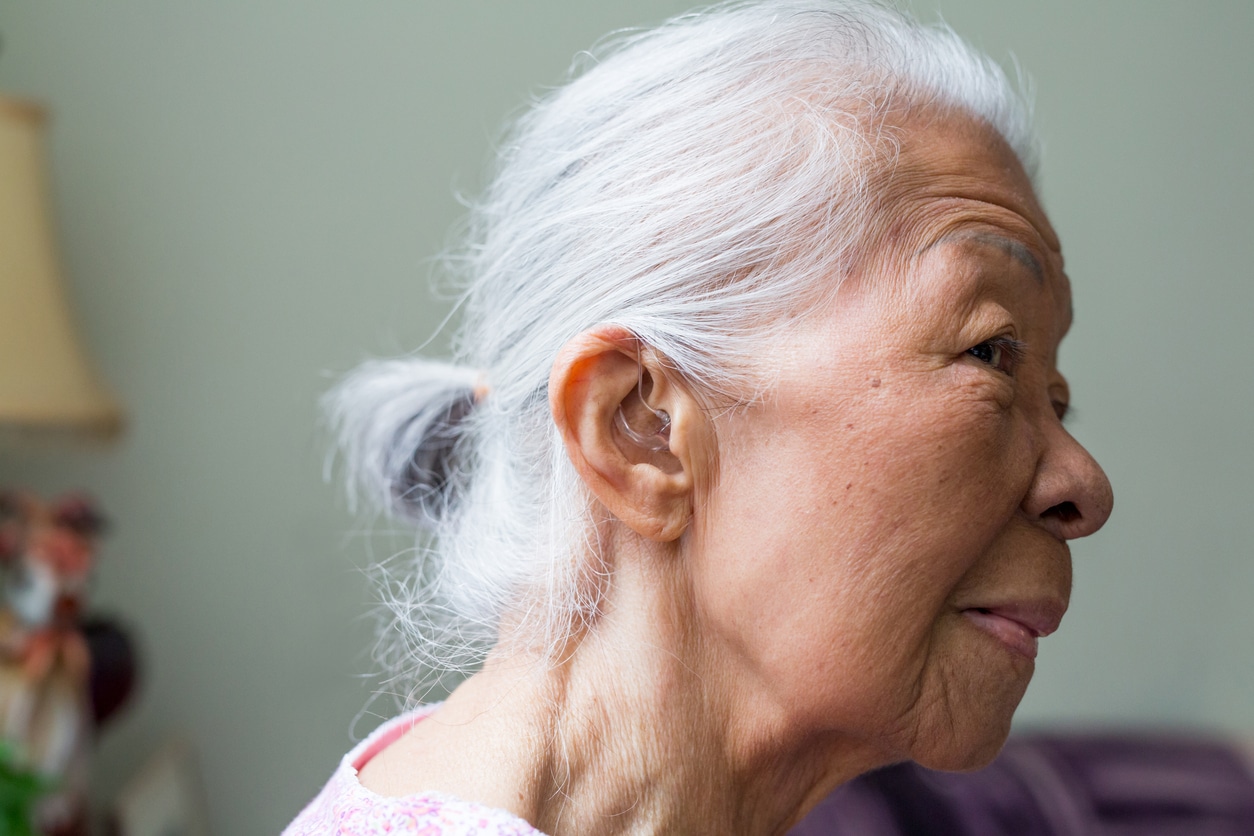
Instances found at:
x=346 y=808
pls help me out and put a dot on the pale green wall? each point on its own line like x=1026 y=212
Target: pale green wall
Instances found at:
x=247 y=192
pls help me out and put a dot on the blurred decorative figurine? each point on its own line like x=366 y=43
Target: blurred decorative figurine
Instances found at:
x=47 y=552
x=46 y=555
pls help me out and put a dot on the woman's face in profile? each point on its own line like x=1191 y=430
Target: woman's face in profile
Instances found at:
x=888 y=533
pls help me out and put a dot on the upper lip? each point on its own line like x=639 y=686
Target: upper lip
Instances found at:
x=1041 y=616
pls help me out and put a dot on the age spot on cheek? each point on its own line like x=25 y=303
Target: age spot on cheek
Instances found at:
x=875 y=383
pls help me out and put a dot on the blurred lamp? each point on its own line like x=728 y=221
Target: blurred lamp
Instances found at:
x=46 y=381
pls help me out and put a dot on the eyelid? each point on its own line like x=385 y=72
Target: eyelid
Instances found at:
x=1060 y=399
x=1061 y=402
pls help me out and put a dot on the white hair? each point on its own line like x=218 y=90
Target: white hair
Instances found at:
x=694 y=184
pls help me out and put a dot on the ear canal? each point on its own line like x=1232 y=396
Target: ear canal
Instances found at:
x=660 y=439
x=657 y=441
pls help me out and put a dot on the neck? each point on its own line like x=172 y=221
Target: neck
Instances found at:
x=645 y=726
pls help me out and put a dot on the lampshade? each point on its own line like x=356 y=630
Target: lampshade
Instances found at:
x=46 y=381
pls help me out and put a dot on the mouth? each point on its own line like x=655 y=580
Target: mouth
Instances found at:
x=1019 y=626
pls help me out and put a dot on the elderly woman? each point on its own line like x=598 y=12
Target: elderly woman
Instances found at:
x=752 y=476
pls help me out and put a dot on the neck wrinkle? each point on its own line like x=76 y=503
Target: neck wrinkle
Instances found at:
x=648 y=727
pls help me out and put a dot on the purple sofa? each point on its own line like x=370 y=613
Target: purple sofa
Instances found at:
x=1056 y=785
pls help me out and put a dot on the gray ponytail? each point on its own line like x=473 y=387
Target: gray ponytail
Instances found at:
x=401 y=428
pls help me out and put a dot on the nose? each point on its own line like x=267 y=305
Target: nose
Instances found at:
x=1070 y=495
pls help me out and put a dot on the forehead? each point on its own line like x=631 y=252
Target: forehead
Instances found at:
x=957 y=221
x=954 y=178
x=953 y=173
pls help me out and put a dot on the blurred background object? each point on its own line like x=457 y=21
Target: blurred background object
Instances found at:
x=48 y=394
x=1056 y=785
x=164 y=798
x=46 y=552
x=46 y=381
x=248 y=195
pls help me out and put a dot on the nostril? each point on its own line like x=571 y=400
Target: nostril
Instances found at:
x=1064 y=512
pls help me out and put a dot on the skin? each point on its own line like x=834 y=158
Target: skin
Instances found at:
x=794 y=581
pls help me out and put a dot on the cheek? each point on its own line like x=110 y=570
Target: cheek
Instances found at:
x=826 y=558
x=936 y=478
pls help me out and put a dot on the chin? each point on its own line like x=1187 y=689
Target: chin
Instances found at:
x=953 y=757
x=967 y=742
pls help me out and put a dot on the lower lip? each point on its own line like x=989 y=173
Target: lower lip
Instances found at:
x=1011 y=633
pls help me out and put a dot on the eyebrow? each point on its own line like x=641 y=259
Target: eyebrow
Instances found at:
x=1011 y=247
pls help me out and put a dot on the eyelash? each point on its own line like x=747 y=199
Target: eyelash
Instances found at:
x=1012 y=351
x=1001 y=353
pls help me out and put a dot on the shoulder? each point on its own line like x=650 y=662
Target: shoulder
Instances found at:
x=351 y=814
x=346 y=808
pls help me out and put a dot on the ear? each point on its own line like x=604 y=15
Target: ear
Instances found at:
x=603 y=379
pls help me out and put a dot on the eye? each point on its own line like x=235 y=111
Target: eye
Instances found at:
x=1002 y=353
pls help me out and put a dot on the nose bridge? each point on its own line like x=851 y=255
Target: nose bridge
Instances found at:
x=1070 y=494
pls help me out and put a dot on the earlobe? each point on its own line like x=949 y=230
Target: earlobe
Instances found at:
x=617 y=411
